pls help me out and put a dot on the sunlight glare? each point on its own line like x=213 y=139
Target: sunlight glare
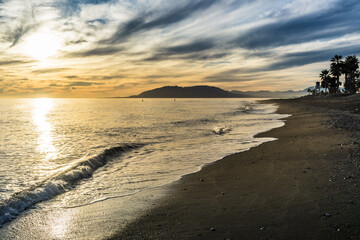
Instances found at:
x=42 y=45
x=42 y=106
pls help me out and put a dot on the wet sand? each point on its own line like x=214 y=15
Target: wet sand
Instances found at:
x=305 y=185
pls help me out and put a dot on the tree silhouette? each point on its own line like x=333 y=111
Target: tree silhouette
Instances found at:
x=350 y=68
x=327 y=81
x=324 y=76
x=335 y=69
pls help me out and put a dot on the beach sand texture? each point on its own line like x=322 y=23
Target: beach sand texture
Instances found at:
x=305 y=185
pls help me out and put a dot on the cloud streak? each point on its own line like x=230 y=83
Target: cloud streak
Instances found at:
x=146 y=21
x=336 y=22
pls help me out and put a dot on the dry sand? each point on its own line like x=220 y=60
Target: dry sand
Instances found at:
x=305 y=185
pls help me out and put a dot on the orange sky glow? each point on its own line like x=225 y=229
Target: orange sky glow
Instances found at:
x=117 y=48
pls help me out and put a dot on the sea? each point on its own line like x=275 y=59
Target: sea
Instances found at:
x=60 y=153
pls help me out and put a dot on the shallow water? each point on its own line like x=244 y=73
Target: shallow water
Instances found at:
x=74 y=152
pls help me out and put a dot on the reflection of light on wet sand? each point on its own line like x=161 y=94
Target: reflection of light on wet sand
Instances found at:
x=42 y=106
x=59 y=225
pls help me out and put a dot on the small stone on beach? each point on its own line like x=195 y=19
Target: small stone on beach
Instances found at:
x=212 y=229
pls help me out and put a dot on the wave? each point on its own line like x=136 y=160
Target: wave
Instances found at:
x=245 y=109
x=58 y=183
x=221 y=130
x=193 y=122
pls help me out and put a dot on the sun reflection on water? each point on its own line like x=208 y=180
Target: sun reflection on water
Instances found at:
x=42 y=106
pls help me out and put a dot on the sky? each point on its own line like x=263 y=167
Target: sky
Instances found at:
x=117 y=48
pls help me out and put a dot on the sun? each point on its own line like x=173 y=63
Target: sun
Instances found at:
x=41 y=45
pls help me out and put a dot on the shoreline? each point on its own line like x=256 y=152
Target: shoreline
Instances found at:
x=290 y=188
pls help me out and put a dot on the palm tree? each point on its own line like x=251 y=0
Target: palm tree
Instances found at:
x=350 y=68
x=335 y=68
x=324 y=76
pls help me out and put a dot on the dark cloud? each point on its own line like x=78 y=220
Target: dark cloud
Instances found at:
x=197 y=50
x=18 y=33
x=189 y=48
x=101 y=51
x=19 y=29
x=146 y=21
x=80 y=41
x=340 y=20
x=13 y=62
x=187 y=57
x=308 y=57
x=83 y=84
x=285 y=61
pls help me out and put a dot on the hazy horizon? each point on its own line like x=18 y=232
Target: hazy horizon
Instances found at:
x=118 y=48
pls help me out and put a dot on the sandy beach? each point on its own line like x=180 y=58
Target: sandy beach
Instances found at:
x=305 y=185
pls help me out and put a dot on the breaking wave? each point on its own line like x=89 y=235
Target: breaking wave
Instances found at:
x=194 y=122
x=221 y=130
x=58 y=183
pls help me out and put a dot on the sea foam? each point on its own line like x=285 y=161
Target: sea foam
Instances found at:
x=58 y=183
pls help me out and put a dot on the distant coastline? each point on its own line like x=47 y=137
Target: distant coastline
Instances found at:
x=214 y=92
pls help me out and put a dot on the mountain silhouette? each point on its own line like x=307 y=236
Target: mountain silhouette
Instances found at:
x=187 y=92
x=214 y=92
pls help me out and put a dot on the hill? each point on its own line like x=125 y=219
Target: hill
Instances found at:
x=214 y=92
x=187 y=92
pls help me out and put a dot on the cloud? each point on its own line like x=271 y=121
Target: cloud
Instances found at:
x=49 y=70
x=22 y=20
x=147 y=21
x=13 y=62
x=113 y=77
x=71 y=77
x=79 y=41
x=19 y=32
x=83 y=84
x=100 y=51
x=308 y=57
x=335 y=22
x=224 y=76
x=98 y=21
x=168 y=76
x=71 y=7
x=196 y=46
x=196 y=50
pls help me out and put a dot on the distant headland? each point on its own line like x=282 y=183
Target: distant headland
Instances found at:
x=213 y=92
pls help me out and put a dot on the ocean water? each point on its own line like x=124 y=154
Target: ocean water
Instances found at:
x=75 y=152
